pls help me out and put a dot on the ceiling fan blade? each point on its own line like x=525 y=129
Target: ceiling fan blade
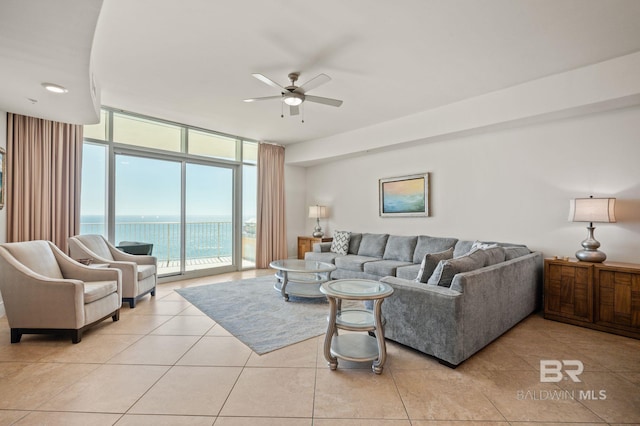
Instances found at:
x=321 y=100
x=267 y=81
x=294 y=110
x=266 y=98
x=314 y=82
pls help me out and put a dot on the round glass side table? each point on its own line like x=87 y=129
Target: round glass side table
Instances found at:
x=352 y=346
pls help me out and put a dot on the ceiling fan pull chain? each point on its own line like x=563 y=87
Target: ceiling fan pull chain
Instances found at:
x=282 y=108
x=302 y=108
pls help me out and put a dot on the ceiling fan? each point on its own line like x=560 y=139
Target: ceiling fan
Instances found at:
x=293 y=95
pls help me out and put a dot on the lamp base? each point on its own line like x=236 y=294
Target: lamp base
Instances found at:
x=594 y=256
x=317 y=231
x=590 y=253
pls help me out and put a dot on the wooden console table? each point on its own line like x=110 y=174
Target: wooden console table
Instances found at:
x=603 y=296
x=305 y=244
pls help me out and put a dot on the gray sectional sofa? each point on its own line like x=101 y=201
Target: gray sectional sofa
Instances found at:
x=456 y=305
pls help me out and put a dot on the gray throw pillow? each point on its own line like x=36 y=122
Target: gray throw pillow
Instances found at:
x=340 y=243
x=494 y=255
x=447 y=269
x=430 y=262
x=515 y=251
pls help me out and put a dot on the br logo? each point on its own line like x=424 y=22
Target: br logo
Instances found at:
x=552 y=370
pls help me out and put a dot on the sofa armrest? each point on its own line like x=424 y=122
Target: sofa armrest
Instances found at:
x=424 y=317
x=322 y=247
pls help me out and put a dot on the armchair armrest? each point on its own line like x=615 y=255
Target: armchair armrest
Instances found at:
x=140 y=259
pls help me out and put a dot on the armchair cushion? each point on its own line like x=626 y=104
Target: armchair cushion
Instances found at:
x=98 y=289
x=145 y=271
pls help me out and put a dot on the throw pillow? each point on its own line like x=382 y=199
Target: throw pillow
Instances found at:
x=340 y=243
x=430 y=262
x=494 y=255
x=447 y=269
x=515 y=251
x=480 y=245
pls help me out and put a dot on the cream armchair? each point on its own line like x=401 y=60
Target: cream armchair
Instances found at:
x=45 y=291
x=139 y=273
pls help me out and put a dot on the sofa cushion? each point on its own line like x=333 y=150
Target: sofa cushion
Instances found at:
x=384 y=268
x=447 y=269
x=340 y=243
x=400 y=248
x=430 y=262
x=325 y=256
x=354 y=243
x=428 y=244
x=353 y=262
x=373 y=245
x=515 y=251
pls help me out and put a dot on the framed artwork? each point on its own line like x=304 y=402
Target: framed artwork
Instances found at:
x=404 y=196
x=2 y=177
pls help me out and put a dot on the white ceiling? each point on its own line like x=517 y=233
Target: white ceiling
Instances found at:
x=191 y=60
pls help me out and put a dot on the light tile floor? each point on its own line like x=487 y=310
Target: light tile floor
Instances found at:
x=165 y=363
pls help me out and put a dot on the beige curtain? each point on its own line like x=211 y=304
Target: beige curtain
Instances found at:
x=44 y=160
x=271 y=239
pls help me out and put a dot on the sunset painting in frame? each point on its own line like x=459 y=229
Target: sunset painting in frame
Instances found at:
x=405 y=196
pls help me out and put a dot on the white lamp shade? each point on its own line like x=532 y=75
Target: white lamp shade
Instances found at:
x=592 y=210
x=317 y=211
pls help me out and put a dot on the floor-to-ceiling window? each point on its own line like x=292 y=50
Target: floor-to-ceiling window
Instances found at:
x=189 y=192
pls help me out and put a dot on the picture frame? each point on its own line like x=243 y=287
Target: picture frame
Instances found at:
x=3 y=176
x=404 y=196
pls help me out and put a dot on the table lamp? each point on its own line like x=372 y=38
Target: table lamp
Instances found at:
x=591 y=210
x=317 y=212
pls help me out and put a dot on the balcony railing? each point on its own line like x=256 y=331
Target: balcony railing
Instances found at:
x=207 y=244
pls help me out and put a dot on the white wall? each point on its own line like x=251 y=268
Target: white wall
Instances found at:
x=3 y=212
x=508 y=185
x=295 y=205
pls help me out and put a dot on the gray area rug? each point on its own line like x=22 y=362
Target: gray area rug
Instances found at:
x=255 y=313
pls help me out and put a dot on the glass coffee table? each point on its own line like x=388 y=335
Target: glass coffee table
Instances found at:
x=356 y=346
x=301 y=278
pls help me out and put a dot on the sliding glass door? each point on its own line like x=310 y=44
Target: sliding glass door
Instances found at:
x=148 y=207
x=209 y=230
x=149 y=194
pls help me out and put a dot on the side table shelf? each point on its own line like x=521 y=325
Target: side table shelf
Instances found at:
x=603 y=296
x=355 y=347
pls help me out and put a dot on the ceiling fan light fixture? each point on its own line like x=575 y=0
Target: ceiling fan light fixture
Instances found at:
x=293 y=99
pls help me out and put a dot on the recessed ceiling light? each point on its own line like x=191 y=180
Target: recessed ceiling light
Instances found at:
x=55 y=88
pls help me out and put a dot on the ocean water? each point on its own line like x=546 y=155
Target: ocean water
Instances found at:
x=206 y=236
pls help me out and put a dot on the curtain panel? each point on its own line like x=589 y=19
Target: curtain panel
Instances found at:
x=44 y=162
x=271 y=238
